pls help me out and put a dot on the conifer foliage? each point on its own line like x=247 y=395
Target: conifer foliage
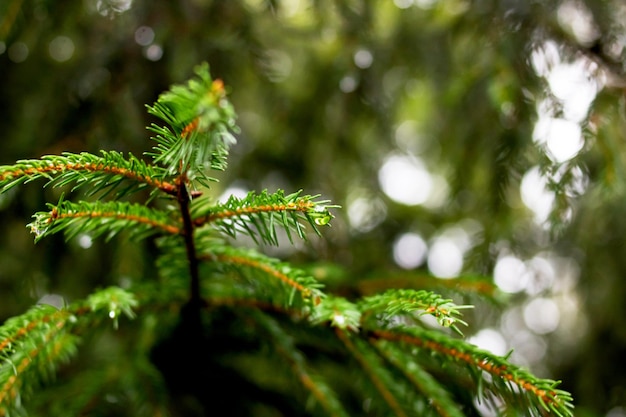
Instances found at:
x=224 y=328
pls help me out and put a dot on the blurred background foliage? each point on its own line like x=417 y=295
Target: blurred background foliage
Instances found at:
x=462 y=138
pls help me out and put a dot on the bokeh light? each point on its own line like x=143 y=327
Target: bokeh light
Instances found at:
x=348 y=84
x=448 y=248
x=236 y=189
x=578 y=20
x=445 y=258
x=535 y=194
x=18 y=52
x=363 y=58
x=562 y=138
x=510 y=274
x=405 y=179
x=85 y=241
x=61 y=48
x=573 y=86
x=366 y=213
x=490 y=340
x=153 y=52
x=144 y=35
x=409 y=250
x=542 y=315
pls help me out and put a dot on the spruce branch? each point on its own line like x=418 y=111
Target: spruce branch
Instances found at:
x=100 y=173
x=171 y=262
x=338 y=312
x=217 y=292
x=102 y=218
x=397 y=302
x=378 y=376
x=479 y=286
x=257 y=215
x=509 y=381
x=285 y=346
x=112 y=301
x=35 y=343
x=200 y=120
x=37 y=363
x=133 y=382
x=438 y=397
x=278 y=279
x=16 y=328
x=31 y=347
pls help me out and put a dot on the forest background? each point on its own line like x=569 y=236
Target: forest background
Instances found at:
x=461 y=138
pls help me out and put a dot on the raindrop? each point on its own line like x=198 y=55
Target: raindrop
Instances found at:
x=322 y=221
x=321 y=216
x=339 y=320
x=37 y=231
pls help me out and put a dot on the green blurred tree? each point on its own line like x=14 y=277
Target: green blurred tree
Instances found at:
x=465 y=100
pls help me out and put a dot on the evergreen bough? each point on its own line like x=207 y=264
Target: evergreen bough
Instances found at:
x=226 y=329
